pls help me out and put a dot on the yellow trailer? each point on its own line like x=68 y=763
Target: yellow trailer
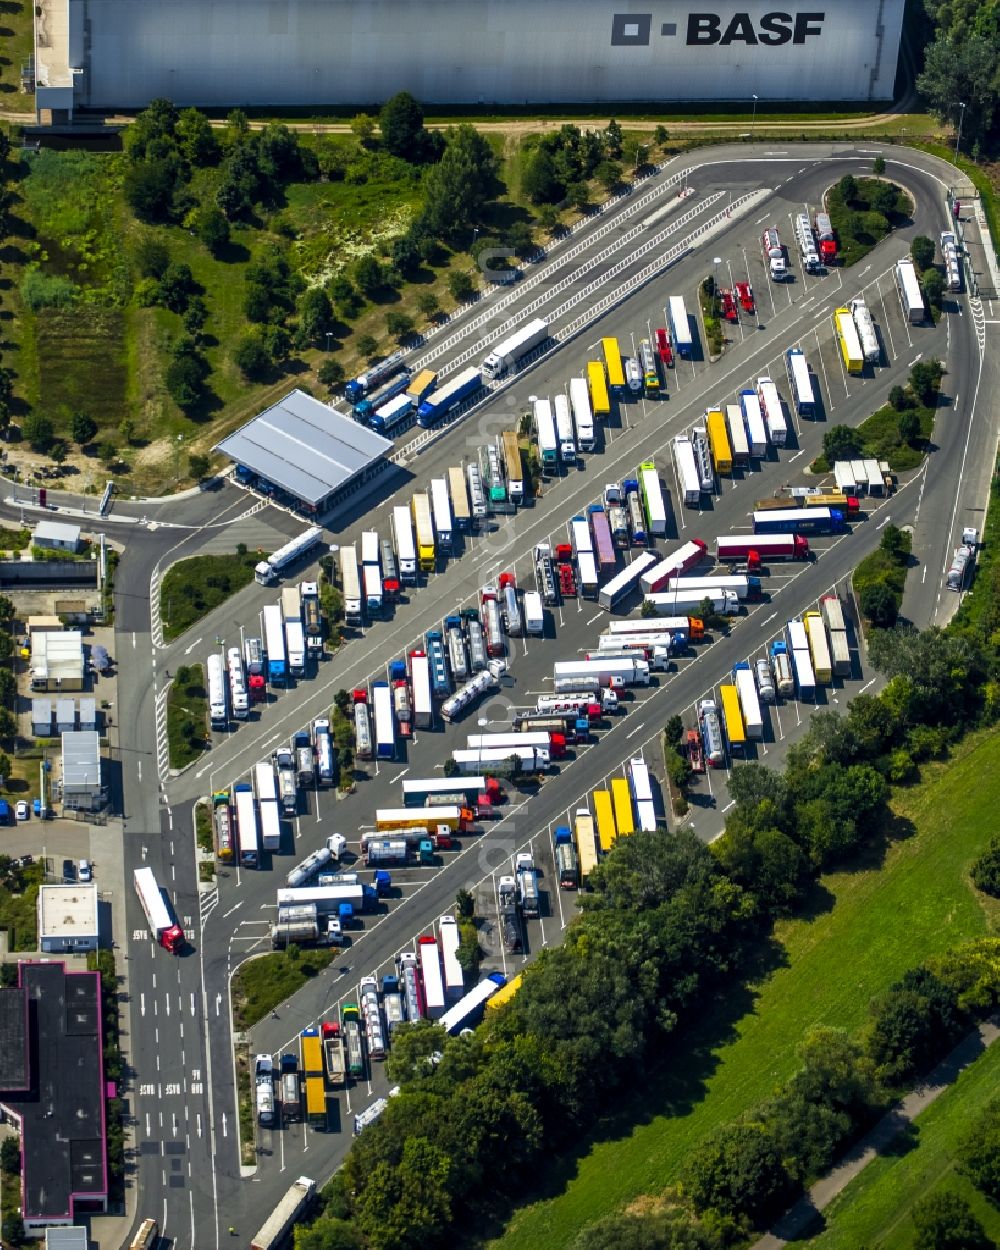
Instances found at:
x=718 y=440
x=505 y=993
x=605 y=816
x=613 y=362
x=586 y=844
x=733 y=715
x=621 y=796
x=425 y=530
x=597 y=384
x=850 y=344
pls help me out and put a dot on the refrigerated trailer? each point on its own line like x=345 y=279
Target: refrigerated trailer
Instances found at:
x=351 y=586
x=441 y=506
x=402 y=540
x=625 y=582
x=652 y=498
x=687 y=471
x=746 y=687
x=583 y=416
x=430 y=975
x=218 y=707
x=774 y=416
x=545 y=435
x=385 y=726
x=642 y=794
x=910 y=295
x=680 y=328
x=753 y=415
x=274 y=644
x=165 y=931
x=508 y=351
x=737 y=434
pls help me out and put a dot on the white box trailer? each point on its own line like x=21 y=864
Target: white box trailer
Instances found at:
x=218 y=707
x=420 y=678
x=652 y=493
x=774 y=416
x=534 y=613
x=460 y=511
x=624 y=582
x=642 y=794
x=565 y=434
x=430 y=974
x=910 y=295
x=681 y=602
x=746 y=688
x=508 y=351
x=369 y=547
x=738 y=440
x=866 y=331
x=454 y=979
x=351 y=585
x=587 y=568
x=754 y=417
x=833 y=614
x=441 y=505
x=687 y=470
x=843 y=475
x=545 y=433
x=495 y=762
x=402 y=540
x=603 y=672
x=583 y=416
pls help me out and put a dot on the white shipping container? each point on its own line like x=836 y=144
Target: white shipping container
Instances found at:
x=738 y=440
x=454 y=980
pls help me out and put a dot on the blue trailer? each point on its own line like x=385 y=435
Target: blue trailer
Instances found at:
x=449 y=396
x=800 y=521
x=364 y=409
x=392 y=417
x=440 y=681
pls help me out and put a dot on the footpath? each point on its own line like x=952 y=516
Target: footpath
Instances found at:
x=802 y=1220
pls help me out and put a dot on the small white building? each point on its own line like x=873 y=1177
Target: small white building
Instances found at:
x=56 y=536
x=81 y=771
x=66 y=1237
x=65 y=715
x=67 y=918
x=41 y=718
x=57 y=660
x=88 y=713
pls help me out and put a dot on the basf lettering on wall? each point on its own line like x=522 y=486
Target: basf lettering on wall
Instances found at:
x=710 y=29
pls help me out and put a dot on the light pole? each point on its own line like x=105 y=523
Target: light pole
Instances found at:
x=177 y=456
x=961 y=119
x=753 y=120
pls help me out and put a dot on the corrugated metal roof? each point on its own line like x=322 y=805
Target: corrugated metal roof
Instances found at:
x=56 y=531
x=304 y=447
x=81 y=760
x=59 y=654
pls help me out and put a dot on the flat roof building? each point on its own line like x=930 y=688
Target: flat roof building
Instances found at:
x=52 y=1083
x=308 y=452
x=56 y=536
x=81 y=771
x=67 y=919
x=57 y=660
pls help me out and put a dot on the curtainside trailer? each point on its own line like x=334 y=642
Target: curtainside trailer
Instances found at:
x=687 y=471
x=448 y=397
x=680 y=327
x=678 y=562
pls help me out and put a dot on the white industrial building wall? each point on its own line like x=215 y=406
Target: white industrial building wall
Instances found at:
x=303 y=52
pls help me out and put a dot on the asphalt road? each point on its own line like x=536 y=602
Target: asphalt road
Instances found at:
x=183 y=1100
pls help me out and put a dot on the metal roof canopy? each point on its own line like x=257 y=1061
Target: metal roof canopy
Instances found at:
x=81 y=759
x=305 y=447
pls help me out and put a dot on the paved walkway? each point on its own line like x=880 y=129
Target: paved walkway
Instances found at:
x=801 y=1220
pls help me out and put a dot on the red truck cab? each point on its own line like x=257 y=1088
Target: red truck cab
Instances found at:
x=744 y=293
x=728 y=305
x=663 y=348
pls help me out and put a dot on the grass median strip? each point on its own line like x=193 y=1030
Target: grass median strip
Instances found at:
x=193 y=588
x=868 y=925
x=187 y=716
x=261 y=984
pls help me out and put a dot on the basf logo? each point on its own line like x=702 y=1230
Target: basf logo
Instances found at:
x=704 y=30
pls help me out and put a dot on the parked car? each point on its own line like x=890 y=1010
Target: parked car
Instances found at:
x=85 y=871
x=21 y=811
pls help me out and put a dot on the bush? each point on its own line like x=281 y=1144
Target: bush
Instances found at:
x=10 y=1156
x=738 y=1172
x=978 y=1153
x=945 y=1221
x=47 y=290
x=367 y=346
x=460 y=285
x=922 y=251
x=212 y=228
x=878 y=606
x=986 y=870
x=399 y=325
x=38 y=432
x=252 y=358
x=152 y=256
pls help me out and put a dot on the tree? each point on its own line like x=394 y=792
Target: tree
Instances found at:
x=252 y=358
x=908 y=425
x=82 y=428
x=945 y=1221
x=108 y=450
x=366 y=346
x=315 y=314
x=331 y=373
x=176 y=285
x=962 y=69
x=58 y=451
x=328 y=1234
x=460 y=285
x=401 y=122
x=878 y=605
x=10 y=1156
x=149 y=188
x=184 y=378
x=369 y=276
x=925 y=377
x=738 y=1171
x=195 y=315
x=363 y=128
x=399 y=325
x=883 y=199
x=13 y=1229
x=986 y=870
x=753 y=784
x=922 y=251
x=465 y=904
x=932 y=283
x=37 y=429
x=198 y=465
x=405 y=256
x=152 y=256
x=539 y=181
x=613 y=138
x=126 y=428
x=841 y=442
x=878 y=166
x=609 y=175
x=847 y=188
x=212 y=228
x=428 y=304
x=196 y=138
x=899 y=399
x=673 y=730
x=459 y=186
x=978 y=1152
x=894 y=543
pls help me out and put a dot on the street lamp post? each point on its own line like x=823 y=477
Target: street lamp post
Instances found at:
x=753 y=121
x=961 y=119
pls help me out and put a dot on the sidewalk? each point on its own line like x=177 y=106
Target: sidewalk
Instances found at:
x=802 y=1219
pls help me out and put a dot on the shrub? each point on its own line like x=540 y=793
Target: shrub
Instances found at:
x=37 y=430
x=252 y=358
x=47 y=290
x=878 y=605
x=986 y=870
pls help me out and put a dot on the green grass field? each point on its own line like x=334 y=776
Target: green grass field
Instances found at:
x=17 y=23
x=900 y=904
x=18 y=913
x=875 y=1208
x=259 y=985
x=193 y=588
